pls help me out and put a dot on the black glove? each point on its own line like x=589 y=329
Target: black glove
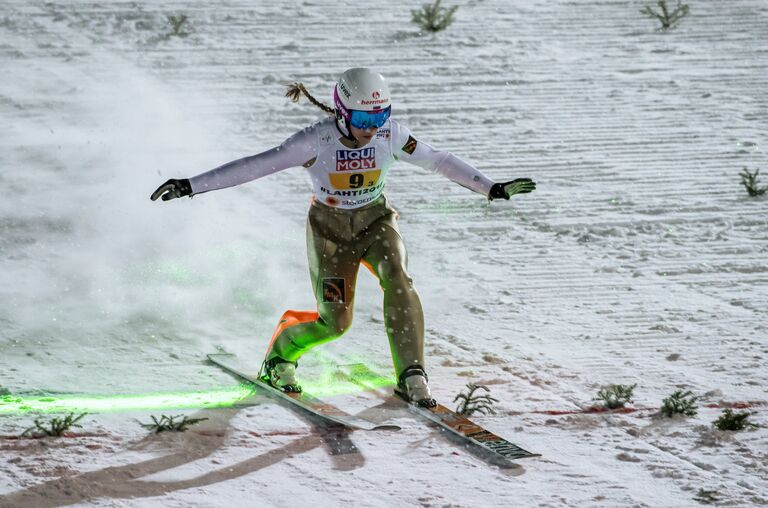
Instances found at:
x=508 y=189
x=172 y=189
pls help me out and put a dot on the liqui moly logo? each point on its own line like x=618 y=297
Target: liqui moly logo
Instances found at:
x=355 y=160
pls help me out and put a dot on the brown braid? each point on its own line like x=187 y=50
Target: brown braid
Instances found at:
x=294 y=93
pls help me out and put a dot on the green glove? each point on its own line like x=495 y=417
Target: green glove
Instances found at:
x=508 y=189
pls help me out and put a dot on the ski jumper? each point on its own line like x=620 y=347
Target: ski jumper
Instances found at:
x=349 y=222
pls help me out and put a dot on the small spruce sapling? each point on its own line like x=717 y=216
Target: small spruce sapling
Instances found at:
x=177 y=22
x=170 y=424
x=733 y=421
x=56 y=427
x=667 y=18
x=433 y=17
x=707 y=496
x=615 y=396
x=679 y=403
x=471 y=403
x=749 y=181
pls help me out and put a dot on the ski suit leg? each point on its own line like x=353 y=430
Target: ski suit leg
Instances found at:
x=403 y=314
x=337 y=242
x=334 y=259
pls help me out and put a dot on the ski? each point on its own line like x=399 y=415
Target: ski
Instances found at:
x=458 y=425
x=470 y=431
x=303 y=400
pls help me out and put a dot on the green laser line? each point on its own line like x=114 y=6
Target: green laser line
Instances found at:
x=218 y=397
x=326 y=386
x=329 y=382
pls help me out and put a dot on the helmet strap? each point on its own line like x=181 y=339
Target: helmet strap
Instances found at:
x=346 y=131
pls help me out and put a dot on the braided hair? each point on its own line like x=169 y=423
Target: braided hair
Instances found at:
x=294 y=93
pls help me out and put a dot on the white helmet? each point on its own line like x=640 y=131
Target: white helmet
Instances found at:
x=365 y=91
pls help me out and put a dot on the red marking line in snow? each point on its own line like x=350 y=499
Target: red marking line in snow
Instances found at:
x=736 y=405
x=278 y=433
x=595 y=409
x=754 y=404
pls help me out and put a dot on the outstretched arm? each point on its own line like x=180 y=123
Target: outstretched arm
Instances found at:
x=409 y=149
x=293 y=152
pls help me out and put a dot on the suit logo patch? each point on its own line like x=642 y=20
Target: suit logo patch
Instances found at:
x=333 y=290
x=410 y=146
x=355 y=160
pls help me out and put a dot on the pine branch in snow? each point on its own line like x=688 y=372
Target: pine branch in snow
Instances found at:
x=177 y=22
x=169 y=423
x=56 y=427
x=615 y=396
x=471 y=403
x=667 y=19
x=707 y=496
x=679 y=403
x=733 y=421
x=433 y=17
x=749 y=181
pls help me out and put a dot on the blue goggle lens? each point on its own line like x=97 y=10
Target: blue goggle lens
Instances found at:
x=368 y=119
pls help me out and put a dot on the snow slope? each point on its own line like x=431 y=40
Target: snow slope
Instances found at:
x=639 y=259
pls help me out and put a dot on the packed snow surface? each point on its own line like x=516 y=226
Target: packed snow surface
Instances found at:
x=639 y=259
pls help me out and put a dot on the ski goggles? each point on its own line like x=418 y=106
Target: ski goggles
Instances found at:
x=361 y=119
x=367 y=119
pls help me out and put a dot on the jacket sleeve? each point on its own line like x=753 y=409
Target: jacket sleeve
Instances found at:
x=408 y=148
x=292 y=152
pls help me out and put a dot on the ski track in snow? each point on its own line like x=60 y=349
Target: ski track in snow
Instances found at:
x=639 y=259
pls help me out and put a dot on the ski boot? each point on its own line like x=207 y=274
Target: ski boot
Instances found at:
x=412 y=387
x=281 y=374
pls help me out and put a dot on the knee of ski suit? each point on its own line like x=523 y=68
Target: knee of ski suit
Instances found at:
x=337 y=320
x=393 y=274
